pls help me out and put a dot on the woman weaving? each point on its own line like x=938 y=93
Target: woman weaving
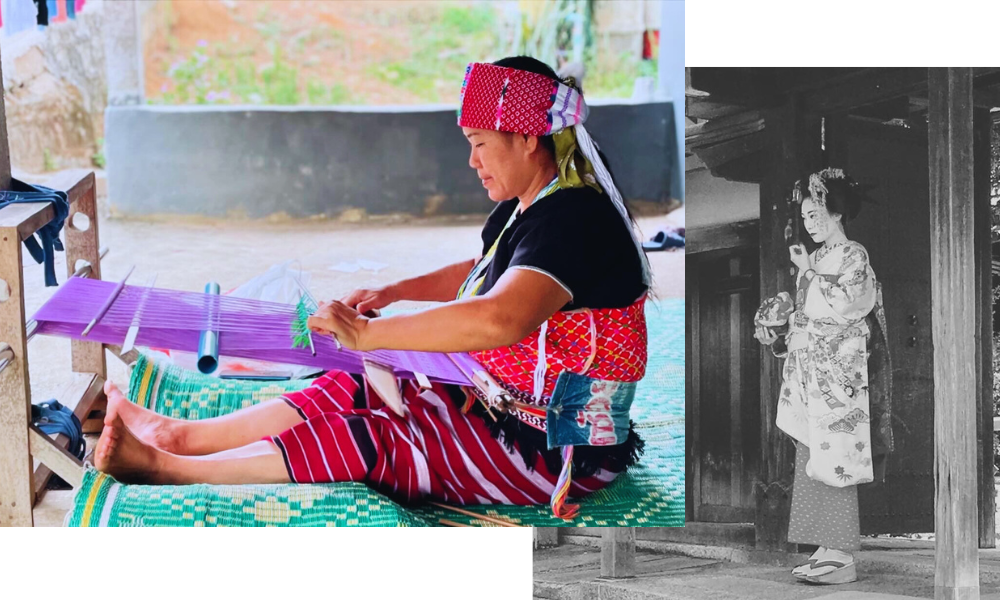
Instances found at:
x=834 y=399
x=555 y=297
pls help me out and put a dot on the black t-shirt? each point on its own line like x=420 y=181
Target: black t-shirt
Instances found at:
x=574 y=235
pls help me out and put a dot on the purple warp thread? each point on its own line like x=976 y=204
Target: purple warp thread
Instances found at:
x=247 y=329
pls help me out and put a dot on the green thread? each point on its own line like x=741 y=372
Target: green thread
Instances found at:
x=300 y=328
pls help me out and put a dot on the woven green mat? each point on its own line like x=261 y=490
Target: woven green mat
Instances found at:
x=648 y=495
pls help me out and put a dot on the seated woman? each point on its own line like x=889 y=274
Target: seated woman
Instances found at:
x=552 y=308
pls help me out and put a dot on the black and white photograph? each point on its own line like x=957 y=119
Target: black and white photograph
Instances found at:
x=839 y=341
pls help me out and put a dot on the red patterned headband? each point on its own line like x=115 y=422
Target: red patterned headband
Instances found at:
x=505 y=99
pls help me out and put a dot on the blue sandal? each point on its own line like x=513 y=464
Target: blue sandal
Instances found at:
x=664 y=240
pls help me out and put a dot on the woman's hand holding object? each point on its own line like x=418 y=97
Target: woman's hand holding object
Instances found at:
x=345 y=324
x=800 y=258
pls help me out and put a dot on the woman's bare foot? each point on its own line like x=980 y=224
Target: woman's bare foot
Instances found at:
x=151 y=428
x=122 y=455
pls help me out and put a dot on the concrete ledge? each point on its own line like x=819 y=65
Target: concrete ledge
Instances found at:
x=879 y=556
x=306 y=161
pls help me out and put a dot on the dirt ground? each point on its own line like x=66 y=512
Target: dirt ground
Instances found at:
x=187 y=255
x=330 y=42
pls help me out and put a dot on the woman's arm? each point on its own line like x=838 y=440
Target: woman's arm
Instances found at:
x=520 y=301
x=851 y=292
x=437 y=286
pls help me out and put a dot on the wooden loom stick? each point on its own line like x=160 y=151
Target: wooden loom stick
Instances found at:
x=469 y=513
x=478 y=383
x=107 y=304
x=133 y=331
x=383 y=380
x=448 y=523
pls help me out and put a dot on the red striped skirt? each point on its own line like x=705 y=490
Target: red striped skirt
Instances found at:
x=436 y=451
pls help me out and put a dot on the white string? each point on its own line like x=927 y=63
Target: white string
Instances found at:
x=588 y=147
x=540 y=366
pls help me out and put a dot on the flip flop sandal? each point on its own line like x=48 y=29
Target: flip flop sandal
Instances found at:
x=841 y=573
x=804 y=568
x=664 y=240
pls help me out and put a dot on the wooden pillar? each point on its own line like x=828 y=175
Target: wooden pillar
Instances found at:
x=4 y=148
x=546 y=537
x=953 y=277
x=15 y=461
x=794 y=151
x=123 y=53
x=618 y=552
x=982 y=134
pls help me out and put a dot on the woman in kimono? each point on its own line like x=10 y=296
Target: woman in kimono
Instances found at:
x=824 y=402
x=555 y=296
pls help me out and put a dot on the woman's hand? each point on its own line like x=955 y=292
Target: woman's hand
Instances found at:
x=765 y=335
x=800 y=258
x=342 y=322
x=364 y=300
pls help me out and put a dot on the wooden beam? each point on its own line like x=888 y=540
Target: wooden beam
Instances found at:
x=618 y=552
x=77 y=183
x=45 y=450
x=83 y=391
x=744 y=234
x=707 y=108
x=692 y=395
x=26 y=218
x=4 y=146
x=731 y=150
x=869 y=86
x=950 y=140
x=87 y=357
x=794 y=150
x=982 y=152
x=15 y=391
x=726 y=128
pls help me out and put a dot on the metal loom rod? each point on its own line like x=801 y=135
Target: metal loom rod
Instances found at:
x=111 y=300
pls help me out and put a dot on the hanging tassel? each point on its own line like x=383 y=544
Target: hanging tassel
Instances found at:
x=560 y=508
x=470 y=399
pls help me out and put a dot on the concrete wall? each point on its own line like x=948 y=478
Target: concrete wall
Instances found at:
x=306 y=161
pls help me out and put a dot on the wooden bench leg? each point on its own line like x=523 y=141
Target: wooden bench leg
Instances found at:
x=16 y=483
x=618 y=552
x=546 y=537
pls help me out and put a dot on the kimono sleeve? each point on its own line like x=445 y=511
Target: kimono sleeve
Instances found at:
x=852 y=291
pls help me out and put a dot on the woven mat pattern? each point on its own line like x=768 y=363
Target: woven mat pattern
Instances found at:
x=648 y=495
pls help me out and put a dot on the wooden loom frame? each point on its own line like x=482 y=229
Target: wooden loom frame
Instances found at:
x=21 y=484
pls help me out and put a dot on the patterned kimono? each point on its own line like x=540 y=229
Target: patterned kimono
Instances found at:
x=824 y=399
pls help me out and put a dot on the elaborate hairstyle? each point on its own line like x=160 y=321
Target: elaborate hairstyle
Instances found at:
x=838 y=192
